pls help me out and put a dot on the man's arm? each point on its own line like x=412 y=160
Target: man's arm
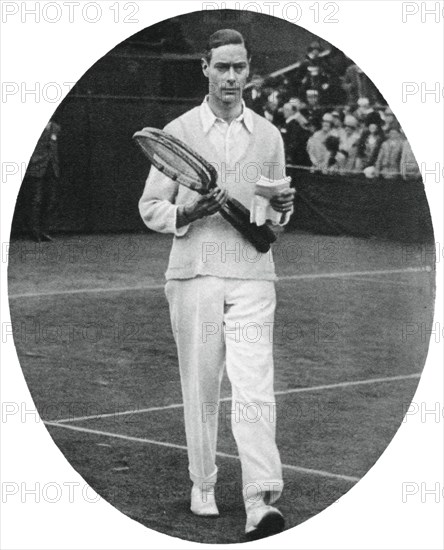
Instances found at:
x=156 y=206
x=160 y=213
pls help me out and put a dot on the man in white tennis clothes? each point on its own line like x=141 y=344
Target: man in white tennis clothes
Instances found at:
x=220 y=289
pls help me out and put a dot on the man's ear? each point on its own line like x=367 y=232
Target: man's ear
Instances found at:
x=205 y=67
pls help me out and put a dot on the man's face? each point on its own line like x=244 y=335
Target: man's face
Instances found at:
x=312 y=100
x=326 y=126
x=227 y=73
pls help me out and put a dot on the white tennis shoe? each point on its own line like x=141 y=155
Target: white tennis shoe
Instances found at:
x=203 y=502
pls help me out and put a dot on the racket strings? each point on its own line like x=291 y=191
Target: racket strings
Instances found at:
x=176 y=162
x=170 y=158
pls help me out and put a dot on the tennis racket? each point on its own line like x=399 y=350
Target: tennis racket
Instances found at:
x=182 y=164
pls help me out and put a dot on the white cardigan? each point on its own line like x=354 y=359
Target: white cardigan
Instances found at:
x=211 y=246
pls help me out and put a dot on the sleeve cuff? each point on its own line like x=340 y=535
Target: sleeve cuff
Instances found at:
x=181 y=231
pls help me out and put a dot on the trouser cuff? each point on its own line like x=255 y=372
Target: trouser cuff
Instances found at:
x=267 y=491
x=201 y=481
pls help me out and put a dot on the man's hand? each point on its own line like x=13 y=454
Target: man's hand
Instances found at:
x=283 y=201
x=203 y=205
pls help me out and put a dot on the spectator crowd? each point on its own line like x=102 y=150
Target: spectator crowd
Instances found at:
x=332 y=118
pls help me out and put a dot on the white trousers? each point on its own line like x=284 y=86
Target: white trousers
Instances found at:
x=219 y=322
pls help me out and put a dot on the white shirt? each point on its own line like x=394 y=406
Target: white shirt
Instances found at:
x=229 y=140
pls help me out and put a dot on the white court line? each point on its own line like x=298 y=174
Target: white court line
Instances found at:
x=97 y=290
x=378 y=281
x=183 y=448
x=283 y=278
x=282 y=392
x=335 y=275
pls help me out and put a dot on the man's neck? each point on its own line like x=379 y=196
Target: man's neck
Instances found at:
x=223 y=111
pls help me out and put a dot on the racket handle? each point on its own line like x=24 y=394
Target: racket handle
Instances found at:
x=238 y=216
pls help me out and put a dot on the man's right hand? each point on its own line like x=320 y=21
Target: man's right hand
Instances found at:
x=203 y=205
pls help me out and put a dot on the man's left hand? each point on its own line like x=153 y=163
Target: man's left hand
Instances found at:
x=283 y=202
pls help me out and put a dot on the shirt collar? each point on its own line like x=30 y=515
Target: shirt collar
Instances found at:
x=208 y=118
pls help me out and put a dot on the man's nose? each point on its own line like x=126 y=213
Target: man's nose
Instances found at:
x=231 y=75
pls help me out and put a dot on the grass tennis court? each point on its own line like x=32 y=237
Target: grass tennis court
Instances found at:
x=92 y=333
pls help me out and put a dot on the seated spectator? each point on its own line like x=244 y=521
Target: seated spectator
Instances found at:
x=337 y=121
x=363 y=109
x=389 y=121
x=298 y=107
x=277 y=84
x=295 y=135
x=408 y=166
x=337 y=129
x=316 y=144
x=388 y=163
x=349 y=141
x=334 y=160
x=313 y=111
x=315 y=79
x=369 y=143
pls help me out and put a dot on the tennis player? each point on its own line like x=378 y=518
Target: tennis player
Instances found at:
x=221 y=290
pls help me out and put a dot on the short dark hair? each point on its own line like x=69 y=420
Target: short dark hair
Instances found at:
x=224 y=37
